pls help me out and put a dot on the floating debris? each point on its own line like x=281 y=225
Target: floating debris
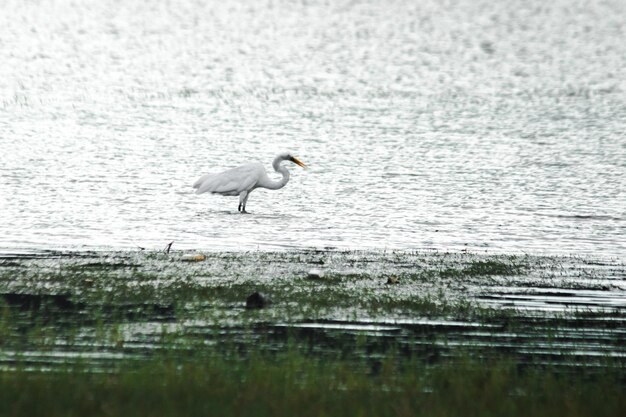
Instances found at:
x=258 y=300
x=193 y=258
x=168 y=247
x=315 y=274
x=392 y=280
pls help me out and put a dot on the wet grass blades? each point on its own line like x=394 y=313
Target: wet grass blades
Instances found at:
x=123 y=309
x=291 y=382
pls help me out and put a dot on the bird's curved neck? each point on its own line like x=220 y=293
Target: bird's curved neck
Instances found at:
x=275 y=185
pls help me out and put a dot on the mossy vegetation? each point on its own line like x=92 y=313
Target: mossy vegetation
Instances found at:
x=152 y=334
x=291 y=383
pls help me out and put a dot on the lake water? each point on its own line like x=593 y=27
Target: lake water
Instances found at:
x=479 y=125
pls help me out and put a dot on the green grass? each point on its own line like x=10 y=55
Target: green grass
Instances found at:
x=291 y=383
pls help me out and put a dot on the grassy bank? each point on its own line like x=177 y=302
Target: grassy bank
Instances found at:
x=290 y=384
x=368 y=334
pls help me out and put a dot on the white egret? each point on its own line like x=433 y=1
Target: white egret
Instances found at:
x=242 y=180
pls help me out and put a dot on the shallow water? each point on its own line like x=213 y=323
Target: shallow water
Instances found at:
x=103 y=307
x=447 y=125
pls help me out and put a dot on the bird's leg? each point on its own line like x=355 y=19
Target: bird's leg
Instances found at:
x=243 y=197
x=245 y=201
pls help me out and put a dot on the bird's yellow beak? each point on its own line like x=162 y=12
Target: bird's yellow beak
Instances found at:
x=299 y=162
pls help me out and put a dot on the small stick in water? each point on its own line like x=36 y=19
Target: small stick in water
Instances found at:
x=168 y=247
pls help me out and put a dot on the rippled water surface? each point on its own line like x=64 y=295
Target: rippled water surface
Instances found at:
x=448 y=125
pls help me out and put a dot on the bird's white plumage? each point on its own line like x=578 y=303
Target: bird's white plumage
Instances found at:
x=242 y=180
x=231 y=182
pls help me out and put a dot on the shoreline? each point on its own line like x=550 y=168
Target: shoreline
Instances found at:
x=118 y=320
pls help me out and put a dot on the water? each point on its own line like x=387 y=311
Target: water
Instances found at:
x=448 y=125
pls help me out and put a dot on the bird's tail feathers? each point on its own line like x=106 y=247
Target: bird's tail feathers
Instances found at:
x=201 y=181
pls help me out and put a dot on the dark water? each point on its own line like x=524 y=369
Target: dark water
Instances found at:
x=450 y=125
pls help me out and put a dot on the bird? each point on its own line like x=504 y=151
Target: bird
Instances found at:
x=241 y=181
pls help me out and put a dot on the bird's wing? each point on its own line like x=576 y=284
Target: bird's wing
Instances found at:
x=231 y=182
x=200 y=180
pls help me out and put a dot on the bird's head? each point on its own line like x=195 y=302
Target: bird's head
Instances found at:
x=297 y=161
x=290 y=157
